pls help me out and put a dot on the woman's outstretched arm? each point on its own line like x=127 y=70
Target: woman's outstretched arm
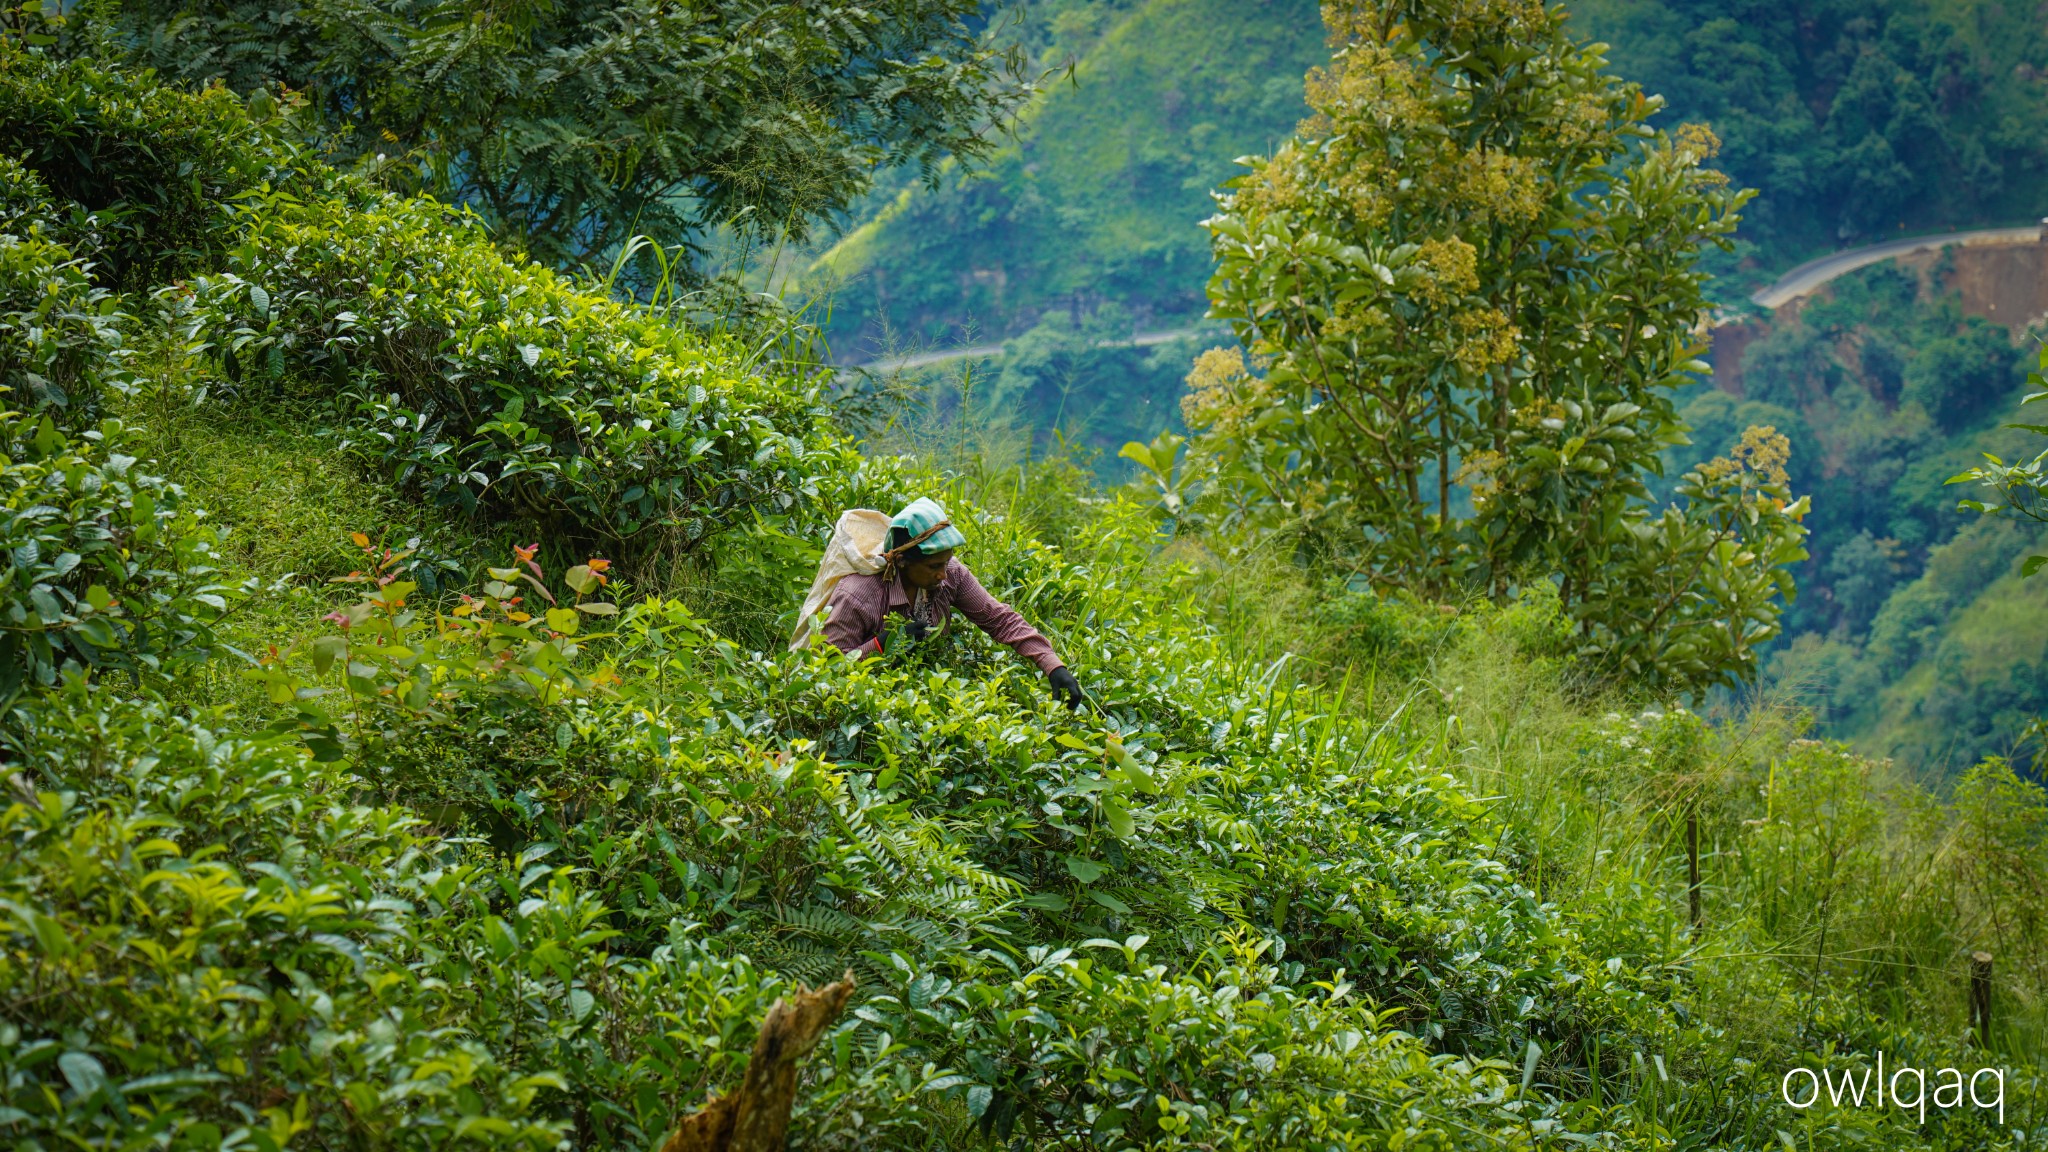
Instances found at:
x=999 y=620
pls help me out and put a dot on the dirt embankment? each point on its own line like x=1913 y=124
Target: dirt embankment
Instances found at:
x=2002 y=275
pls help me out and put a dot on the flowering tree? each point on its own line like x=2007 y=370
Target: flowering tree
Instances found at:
x=1469 y=289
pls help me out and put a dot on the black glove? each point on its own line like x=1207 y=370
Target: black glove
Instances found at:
x=1065 y=686
x=917 y=630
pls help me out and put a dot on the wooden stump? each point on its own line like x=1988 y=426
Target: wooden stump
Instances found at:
x=1692 y=867
x=1980 y=997
x=756 y=1117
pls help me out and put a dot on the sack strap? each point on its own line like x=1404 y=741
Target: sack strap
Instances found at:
x=895 y=554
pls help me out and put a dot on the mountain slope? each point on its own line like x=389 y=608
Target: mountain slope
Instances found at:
x=1854 y=119
x=1100 y=198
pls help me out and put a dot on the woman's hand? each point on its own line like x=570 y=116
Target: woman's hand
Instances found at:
x=1065 y=686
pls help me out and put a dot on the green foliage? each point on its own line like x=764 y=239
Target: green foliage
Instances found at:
x=1097 y=200
x=1256 y=1061
x=1396 y=638
x=500 y=865
x=24 y=202
x=220 y=941
x=1960 y=377
x=2018 y=487
x=906 y=820
x=571 y=129
x=1974 y=688
x=1853 y=119
x=1946 y=672
x=1089 y=387
x=1908 y=641
x=157 y=169
x=1791 y=369
x=105 y=570
x=1715 y=422
x=1885 y=389
x=32 y=23
x=422 y=671
x=495 y=387
x=925 y=823
x=1392 y=344
x=1415 y=335
x=1695 y=594
x=59 y=340
x=1840 y=899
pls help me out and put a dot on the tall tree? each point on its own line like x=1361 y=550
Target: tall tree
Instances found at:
x=572 y=127
x=1471 y=283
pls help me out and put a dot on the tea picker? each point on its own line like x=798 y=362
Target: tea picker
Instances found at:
x=880 y=566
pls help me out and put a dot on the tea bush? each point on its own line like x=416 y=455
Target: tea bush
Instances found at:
x=929 y=819
x=269 y=956
x=24 y=201
x=490 y=385
x=524 y=859
x=495 y=387
x=60 y=343
x=1234 y=1053
x=105 y=570
x=160 y=169
x=226 y=951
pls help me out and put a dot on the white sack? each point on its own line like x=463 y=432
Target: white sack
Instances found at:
x=858 y=541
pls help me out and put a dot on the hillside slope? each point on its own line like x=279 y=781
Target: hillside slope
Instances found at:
x=1099 y=199
x=1853 y=119
x=1887 y=389
x=379 y=844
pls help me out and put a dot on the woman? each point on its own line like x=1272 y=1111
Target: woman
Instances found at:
x=922 y=582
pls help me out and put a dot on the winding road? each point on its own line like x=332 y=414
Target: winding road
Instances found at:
x=1791 y=286
x=989 y=351
x=1814 y=273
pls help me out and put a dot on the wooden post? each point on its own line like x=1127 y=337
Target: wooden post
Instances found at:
x=1980 y=997
x=1692 y=866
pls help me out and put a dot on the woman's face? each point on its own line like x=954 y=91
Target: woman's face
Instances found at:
x=922 y=571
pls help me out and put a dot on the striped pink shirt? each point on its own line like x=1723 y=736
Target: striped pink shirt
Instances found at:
x=860 y=605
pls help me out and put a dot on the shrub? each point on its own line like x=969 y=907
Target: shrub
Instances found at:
x=218 y=941
x=929 y=818
x=1235 y=1054
x=105 y=569
x=24 y=201
x=497 y=388
x=159 y=168
x=59 y=340
x=411 y=672
x=514 y=868
x=1685 y=599
x=574 y=128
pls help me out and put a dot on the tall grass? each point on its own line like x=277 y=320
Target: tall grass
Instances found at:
x=1842 y=897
